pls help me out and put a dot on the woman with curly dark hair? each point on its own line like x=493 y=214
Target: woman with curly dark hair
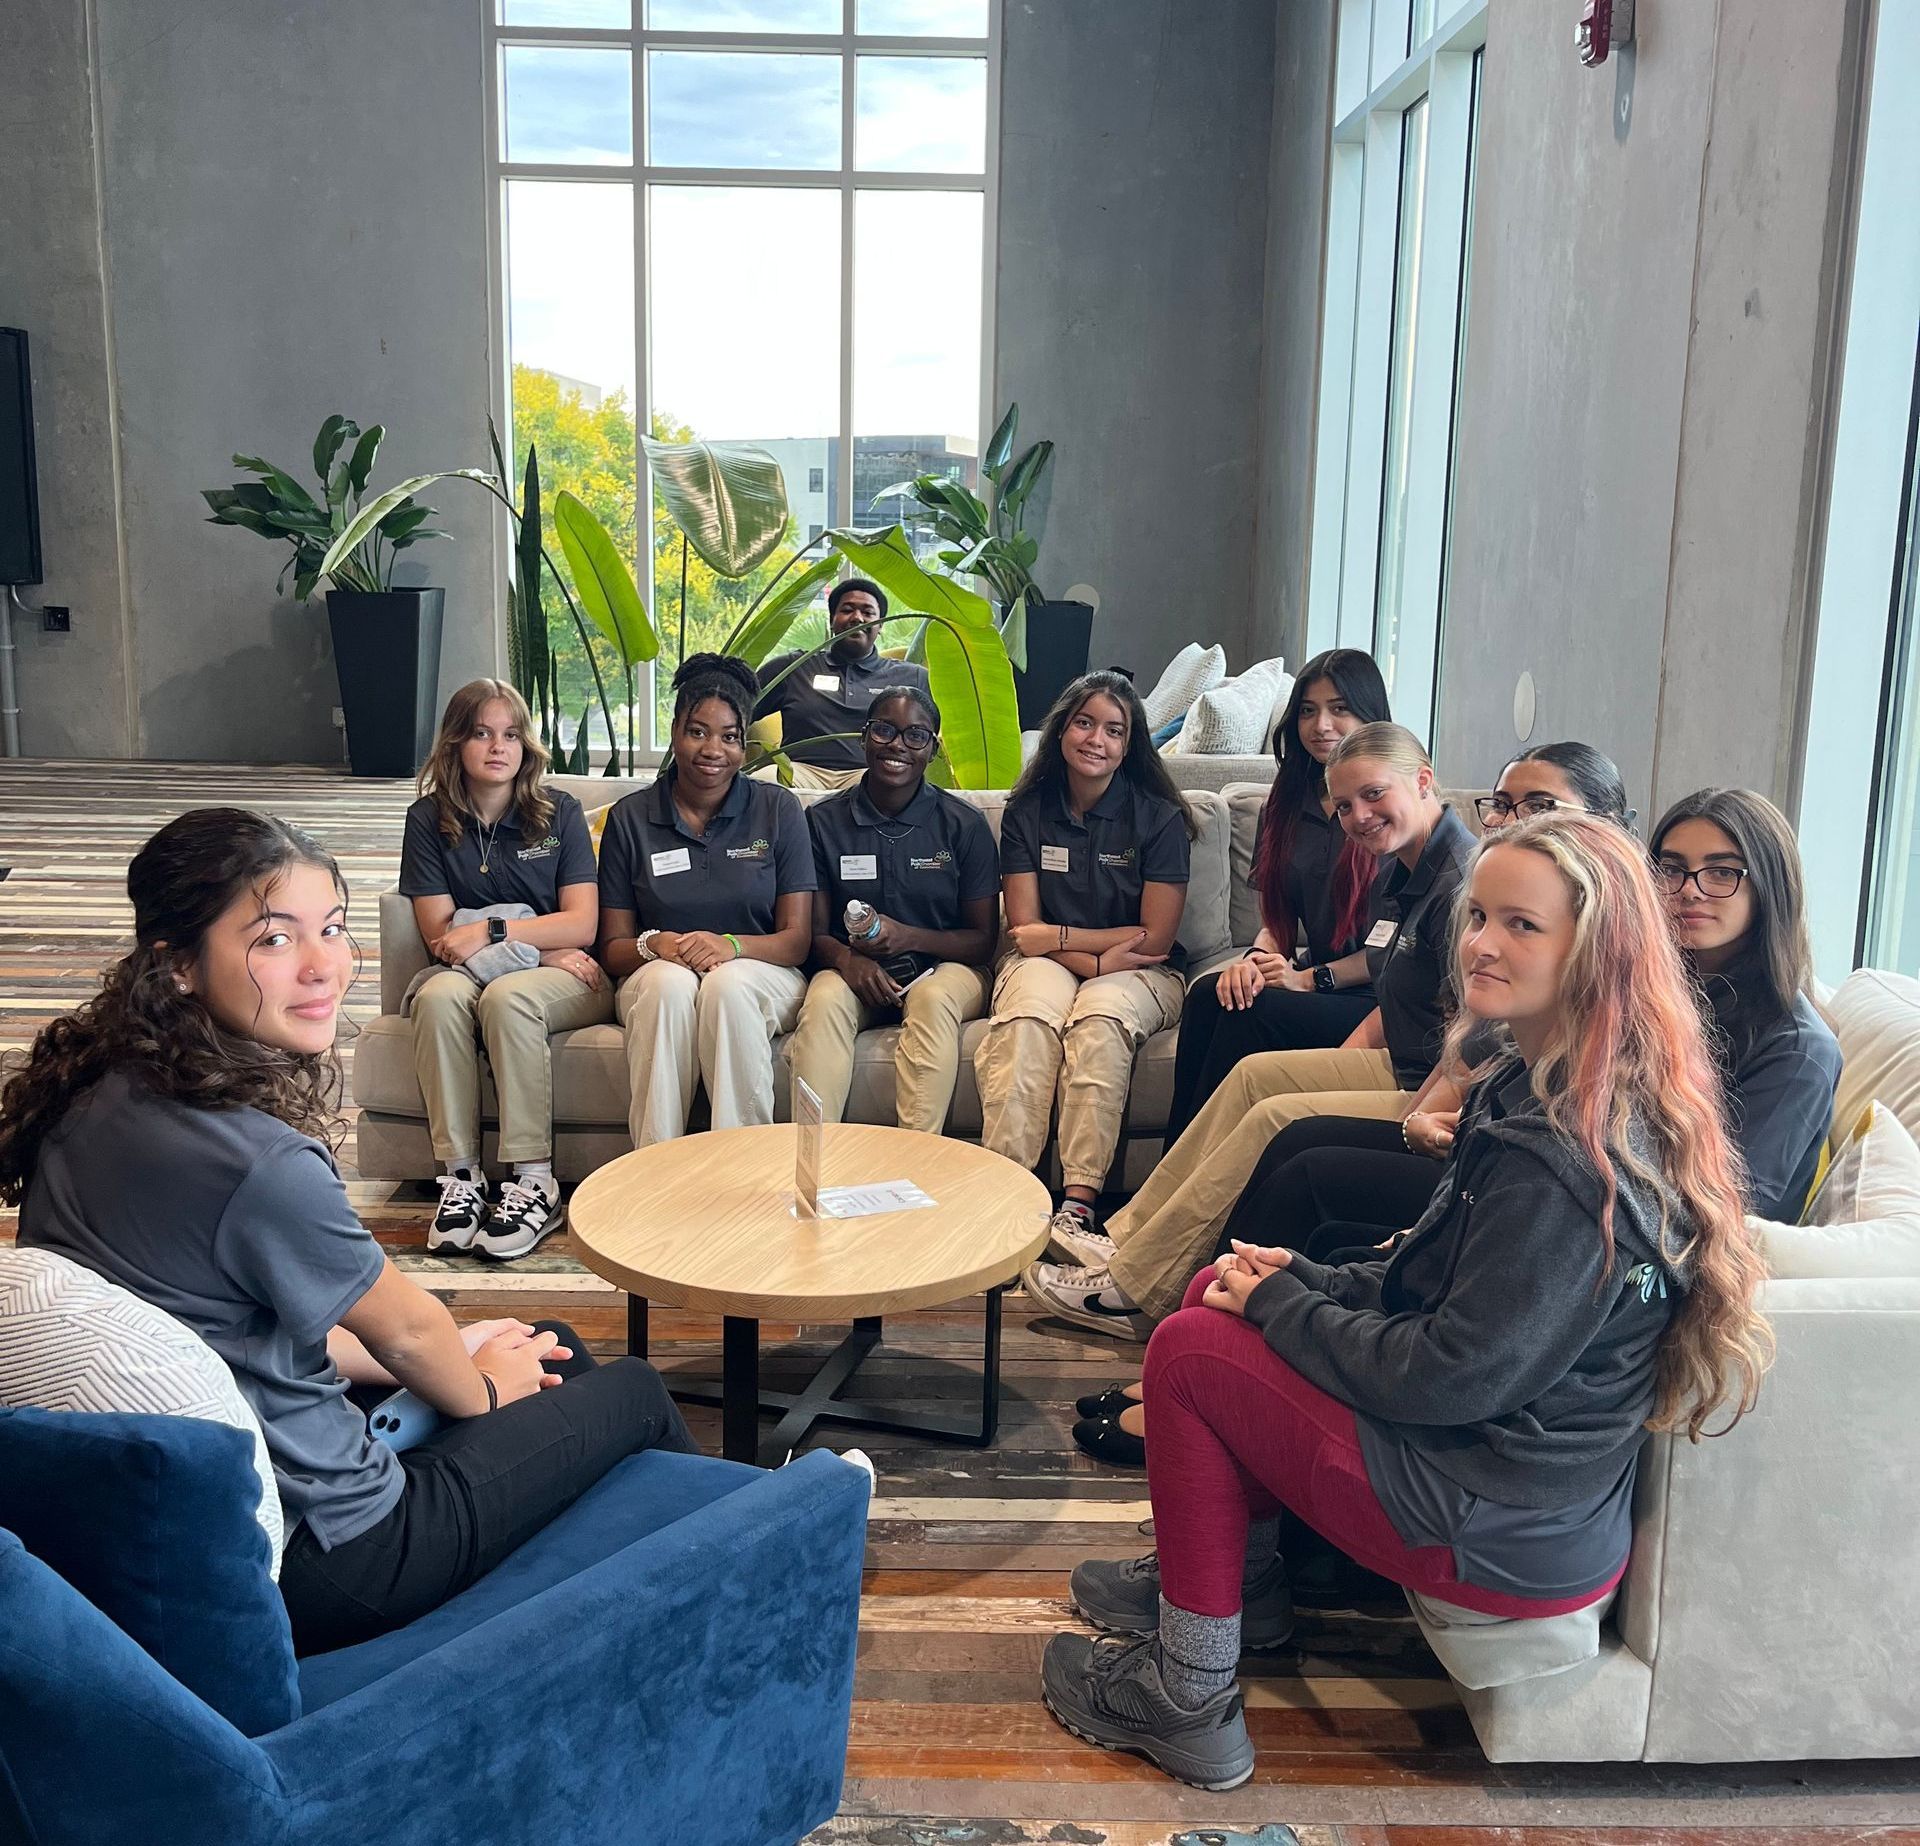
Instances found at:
x=706 y=913
x=173 y=1135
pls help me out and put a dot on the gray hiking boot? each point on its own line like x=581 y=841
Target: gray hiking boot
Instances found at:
x=1124 y=1598
x=1111 y=1693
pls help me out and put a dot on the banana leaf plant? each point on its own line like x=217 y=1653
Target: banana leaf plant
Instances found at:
x=985 y=538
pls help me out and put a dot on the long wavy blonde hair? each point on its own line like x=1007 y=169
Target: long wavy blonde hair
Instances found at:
x=442 y=777
x=1633 y=1051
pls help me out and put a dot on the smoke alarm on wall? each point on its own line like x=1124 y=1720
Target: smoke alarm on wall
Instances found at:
x=1603 y=24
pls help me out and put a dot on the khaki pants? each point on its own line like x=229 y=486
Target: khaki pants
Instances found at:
x=927 y=1061
x=1170 y=1226
x=1051 y=1030
x=812 y=776
x=515 y=1017
x=717 y=1030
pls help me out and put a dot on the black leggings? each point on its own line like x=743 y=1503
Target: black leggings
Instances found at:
x=1332 y=1187
x=476 y=1490
x=1213 y=1038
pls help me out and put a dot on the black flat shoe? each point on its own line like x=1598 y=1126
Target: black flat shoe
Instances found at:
x=1105 y=1440
x=1107 y=1403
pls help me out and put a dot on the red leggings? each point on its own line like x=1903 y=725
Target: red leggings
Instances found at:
x=1234 y=1433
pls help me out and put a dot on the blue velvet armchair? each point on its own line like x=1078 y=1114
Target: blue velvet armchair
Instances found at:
x=670 y=1661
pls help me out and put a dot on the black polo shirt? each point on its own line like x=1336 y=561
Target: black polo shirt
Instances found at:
x=1312 y=858
x=823 y=695
x=519 y=870
x=756 y=850
x=918 y=866
x=1091 y=871
x=1410 y=950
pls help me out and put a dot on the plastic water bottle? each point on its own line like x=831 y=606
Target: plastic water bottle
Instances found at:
x=863 y=924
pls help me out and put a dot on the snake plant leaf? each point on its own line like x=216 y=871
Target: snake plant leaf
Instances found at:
x=360 y=465
x=360 y=528
x=1000 y=445
x=333 y=432
x=887 y=558
x=603 y=581
x=279 y=480
x=729 y=498
x=767 y=627
x=972 y=683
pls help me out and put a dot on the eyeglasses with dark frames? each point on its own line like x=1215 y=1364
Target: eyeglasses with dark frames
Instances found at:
x=1708 y=880
x=884 y=731
x=1499 y=809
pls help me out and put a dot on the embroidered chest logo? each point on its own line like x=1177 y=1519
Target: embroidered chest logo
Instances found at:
x=1648 y=1280
x=758 y=850
x=541 y=849
x=1120 y=861
x=931 y=862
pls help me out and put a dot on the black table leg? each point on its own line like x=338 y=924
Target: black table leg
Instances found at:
x=637 y=1326
x=740 y=1389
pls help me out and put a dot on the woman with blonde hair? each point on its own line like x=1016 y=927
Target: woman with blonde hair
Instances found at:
x=1385 y=797
x=1465 y=1416
x=501 y=873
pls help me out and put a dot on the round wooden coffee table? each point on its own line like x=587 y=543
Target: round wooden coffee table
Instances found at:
x=707 y=1222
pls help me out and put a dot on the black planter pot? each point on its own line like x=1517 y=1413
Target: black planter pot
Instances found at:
x=386 y=648
x=1059 y=638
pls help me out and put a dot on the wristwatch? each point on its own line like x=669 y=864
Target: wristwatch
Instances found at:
x=1323 y=980
x=496 y=929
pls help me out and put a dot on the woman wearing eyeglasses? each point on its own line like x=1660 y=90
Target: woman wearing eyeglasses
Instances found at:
x=924 y=864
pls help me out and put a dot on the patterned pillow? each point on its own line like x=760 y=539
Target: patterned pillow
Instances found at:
x=1235 y=718
x=75 y=1341
x=1188 y=674
x=1864 y=1216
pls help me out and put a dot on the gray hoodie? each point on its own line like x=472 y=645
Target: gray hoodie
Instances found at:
x=1497 y=1341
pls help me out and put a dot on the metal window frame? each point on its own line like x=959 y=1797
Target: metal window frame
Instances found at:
x=849 y=45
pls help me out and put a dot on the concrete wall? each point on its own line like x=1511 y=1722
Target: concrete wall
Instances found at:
x=1645 y=381
x=1133 y=215
x=1290 y=333
x=239 y=220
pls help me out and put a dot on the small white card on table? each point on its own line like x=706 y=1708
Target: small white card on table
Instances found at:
x=876 y=1196
x=807 y=1118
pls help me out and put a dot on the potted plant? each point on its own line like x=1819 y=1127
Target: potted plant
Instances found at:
x=1048 y=642
x=386 y=642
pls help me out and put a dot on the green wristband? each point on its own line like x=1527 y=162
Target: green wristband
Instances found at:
x=735 y=940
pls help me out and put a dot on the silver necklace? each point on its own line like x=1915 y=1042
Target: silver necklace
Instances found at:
x=487 y=840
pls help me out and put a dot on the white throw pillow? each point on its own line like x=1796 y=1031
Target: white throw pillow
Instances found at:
x=75 y=1341
x=1865 y=1219
x=1876 y=1018
x=1189 y=673
x=1234 y=718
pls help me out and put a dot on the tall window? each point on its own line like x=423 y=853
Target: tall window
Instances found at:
x=740 y=220
x=1407 y=105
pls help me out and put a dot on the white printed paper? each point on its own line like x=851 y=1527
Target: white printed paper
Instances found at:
x=807 y=1118
x=867 y=1201
x=678 y=860
x=1053 y=858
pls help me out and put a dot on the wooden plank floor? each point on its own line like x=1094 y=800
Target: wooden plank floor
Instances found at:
x=1361 y=1740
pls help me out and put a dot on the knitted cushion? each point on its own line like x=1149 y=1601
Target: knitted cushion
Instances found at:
x=1235 y=717
x=1190 y=672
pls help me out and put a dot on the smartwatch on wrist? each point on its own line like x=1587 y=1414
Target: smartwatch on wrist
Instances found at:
x=1323 y=980
x=496 y=929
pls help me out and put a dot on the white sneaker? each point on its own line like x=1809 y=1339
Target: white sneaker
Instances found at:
x=1075 y=1294
x=529 y=1211
x=461 y=1213
x=1071 y=1238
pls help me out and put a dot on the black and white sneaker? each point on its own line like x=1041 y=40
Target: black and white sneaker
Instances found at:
x=1111 y=1693
x=528 y=1212
x=1080 y=1295
x=462 y=1211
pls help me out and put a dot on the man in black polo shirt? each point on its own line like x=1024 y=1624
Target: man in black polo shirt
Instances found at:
x=827 y=693
x=925 y=862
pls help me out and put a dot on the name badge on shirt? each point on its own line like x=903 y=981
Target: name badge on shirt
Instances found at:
x=859 y=865
x=1053 y=858
x=1380 y=934
x=826 y=682
x=678 y=860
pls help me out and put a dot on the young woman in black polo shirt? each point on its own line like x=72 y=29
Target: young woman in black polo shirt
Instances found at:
x=706 y=912
x=487 y=833
x=1312 y=880
x=924 y=863
x=1386 y=798
x=1095 y=845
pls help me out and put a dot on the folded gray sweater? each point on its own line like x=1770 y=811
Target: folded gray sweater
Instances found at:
x=484 y=964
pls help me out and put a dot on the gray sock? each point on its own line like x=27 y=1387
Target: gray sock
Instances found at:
x=1263 y=1549
x=1198 y=1654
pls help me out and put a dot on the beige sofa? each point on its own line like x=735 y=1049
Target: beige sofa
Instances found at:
x=589 y=1065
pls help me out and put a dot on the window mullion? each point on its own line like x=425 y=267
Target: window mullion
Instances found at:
x=849 y=125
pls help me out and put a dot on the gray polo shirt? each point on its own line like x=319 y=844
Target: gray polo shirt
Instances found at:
x=755 y=851
x=1092 y=870
x=238 y=1226
x=918 y=866
x=1410 y=950
x=823 y=695
x=519 y=870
